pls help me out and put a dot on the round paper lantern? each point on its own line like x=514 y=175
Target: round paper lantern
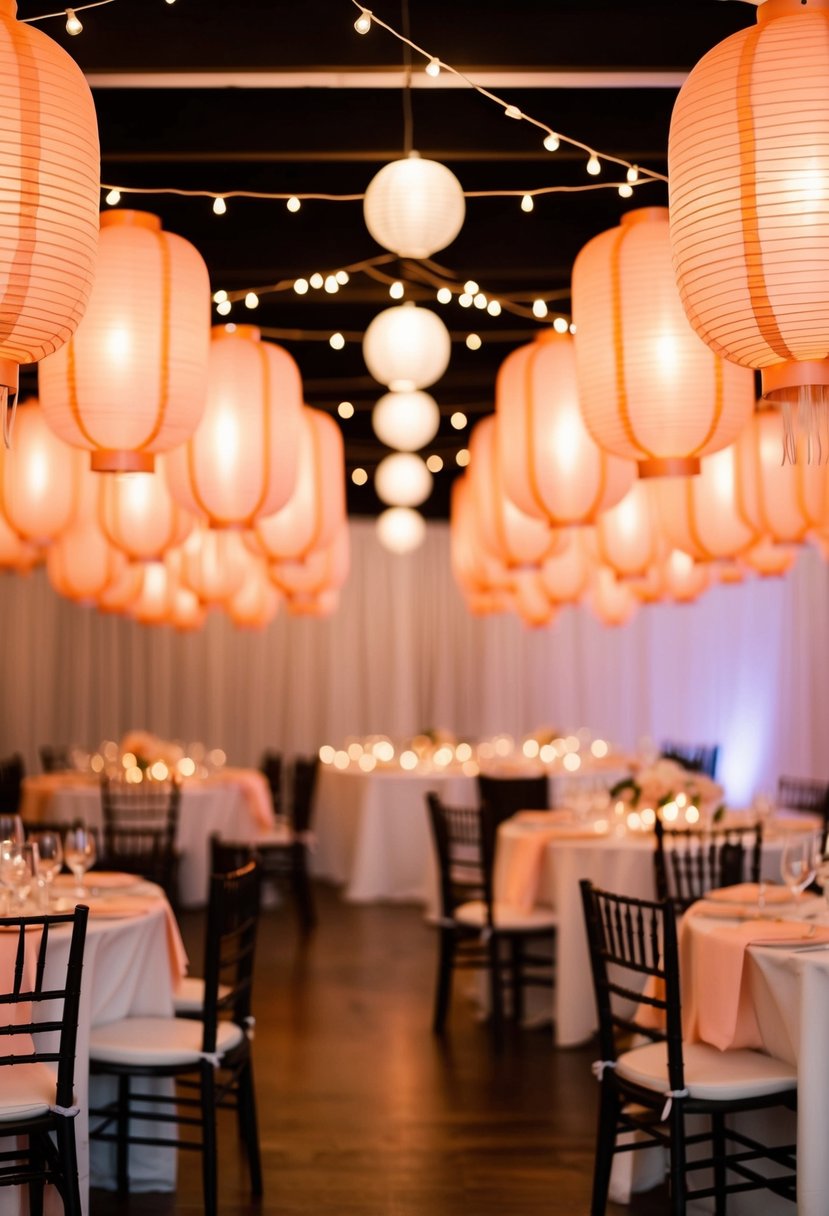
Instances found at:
x=414 y=207
x=704 y=515
x=565 y=575
x=531 y=602
x=552 y=466
x=474 y=568
x=49 y=195
x=154 y=602
x=321 y=571
x=400 y=529
x=140 y=517
x=81 y=563
x=320 y=605
x=781 y=501
x=649 y=389
x=256 y=603
x=124 y=590
x=406 y=421
x=241 y=463
x=748 y=160
x=214 y=564
x=187 y=612
x=16 y=554
x=628 y=538
x=316 y=509
x=132 y=380
x=729 y=573
x=685 y=579
x=651 y=587
x=516 y=539
x=769 y=559
x=612 y=602
x=402 y=480
x=407 y=347
x=40 y=479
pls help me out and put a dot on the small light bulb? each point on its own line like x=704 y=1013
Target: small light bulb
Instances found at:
x=572 y=328
x=397 y=291
x=633 y=174
x=336 y=341
x=113 y=198
x=444 y=295
x=494 y=308
x=539 y=309
x=224 y=308
x=73 y=25
x=465 y=299
x=359 y=477
x=331 y=285
x=433 y=67
x=363 y=23
x=345 y=409
x=527 y=203
x=293 y=203
x=594 y=168
x=219 y=297
x=513 y=112
x=434 y=463
x=219 y=206
x=458 y=420
x=462 y=458
x=342 y=277
x=552 y=142
x=251 y=300
x=473 y=341
x=471 y=287
x=625 y=191
x=316 y=280
x=479 y=300
x=301 y=286
x=560 y=325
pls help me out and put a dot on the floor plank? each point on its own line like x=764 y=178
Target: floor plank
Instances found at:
x=364 y=1113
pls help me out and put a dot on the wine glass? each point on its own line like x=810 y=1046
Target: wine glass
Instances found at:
x=79 y=853
x=11 y=828
x=18 y=866
x=799 y=861
x=50 y=860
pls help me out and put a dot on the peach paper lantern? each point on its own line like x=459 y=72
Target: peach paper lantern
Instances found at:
x=320 y=605
x=40 y=479
x=16 y=554
x=515 y=538
x=320 y=571
x=781 y=501
x=704 y=515
x=241 y=463
x=257 y=601
x=124 y=591
x=187 y=612
x=49 y=195
x=628 y=537
x=649 y=389
x=214 y=564
x=612 y=602
x=82 y=563
x=132 y=380
x=566 y=574
x=769 y=559
x=685 y=579
x=531 y=602
x=311 y=516
x=474 y=568
x=552 y=467
x=140 y=517
x=155 y=600
x=748 y=160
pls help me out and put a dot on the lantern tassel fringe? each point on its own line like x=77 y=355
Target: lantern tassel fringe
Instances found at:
x=9 y=413
x=807 y=420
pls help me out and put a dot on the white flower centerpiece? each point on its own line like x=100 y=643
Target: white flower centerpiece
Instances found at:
x=681 y=797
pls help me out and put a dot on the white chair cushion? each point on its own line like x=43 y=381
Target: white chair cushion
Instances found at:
x=710 y=1074
x=506 y=917
x=189 y=996
x=26 y=1090
x=149 y=1041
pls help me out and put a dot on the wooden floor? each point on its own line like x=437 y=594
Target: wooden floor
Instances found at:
x=364 y=1113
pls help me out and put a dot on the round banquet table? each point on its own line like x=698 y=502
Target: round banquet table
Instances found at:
x=236 y=803
x=537 y=865
x=131 y=966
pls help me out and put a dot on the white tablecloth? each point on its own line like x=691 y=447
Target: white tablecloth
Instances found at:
x=221 y=805
x=372 y=830
x=623 y=864
x=129 y=967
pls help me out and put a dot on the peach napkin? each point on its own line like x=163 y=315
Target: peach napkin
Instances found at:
x=716 y=1000
x=255 y=790
x=520 y=877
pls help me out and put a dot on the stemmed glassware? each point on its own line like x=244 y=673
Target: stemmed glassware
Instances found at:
x=18 y=868
x=50 y=861
x=799 y=861
x=79 y=853
x=11 y=828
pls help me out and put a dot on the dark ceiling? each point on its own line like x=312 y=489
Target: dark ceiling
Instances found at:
x=216 y=135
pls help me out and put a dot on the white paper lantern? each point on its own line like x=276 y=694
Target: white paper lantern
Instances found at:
x=414 y=207
x=407 y=347
x=402 y=480
x=400 y=529
x=406 y=421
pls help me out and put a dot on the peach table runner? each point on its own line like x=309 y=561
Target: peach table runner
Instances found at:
x=255 y=790
x=716 y=998
x=519 y=877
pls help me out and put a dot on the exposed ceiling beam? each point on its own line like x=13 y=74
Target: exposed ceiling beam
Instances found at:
x=333 y=78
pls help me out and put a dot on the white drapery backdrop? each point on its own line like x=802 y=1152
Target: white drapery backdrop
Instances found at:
x=745 y=667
